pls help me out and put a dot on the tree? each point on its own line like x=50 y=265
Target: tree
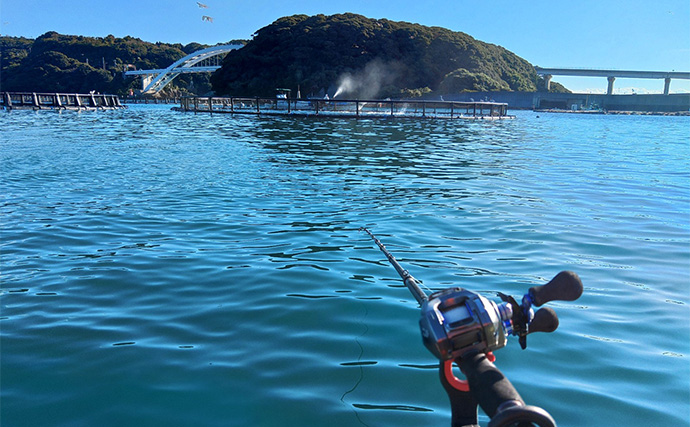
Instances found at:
x=315 y=52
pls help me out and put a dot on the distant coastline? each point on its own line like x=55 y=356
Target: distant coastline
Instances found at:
x=620 y=113
x=366 y=59
x=584 y=102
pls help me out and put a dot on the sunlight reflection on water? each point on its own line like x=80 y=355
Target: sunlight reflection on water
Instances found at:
x=199 y=269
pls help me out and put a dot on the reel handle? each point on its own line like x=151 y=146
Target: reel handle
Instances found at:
x=566 y=286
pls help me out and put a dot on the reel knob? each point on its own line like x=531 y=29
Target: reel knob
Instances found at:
x=566 y=286
x=545 y=320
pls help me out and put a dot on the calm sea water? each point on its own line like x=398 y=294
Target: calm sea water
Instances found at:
x=161 y=268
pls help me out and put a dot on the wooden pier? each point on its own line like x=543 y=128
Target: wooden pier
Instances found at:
x=345 y=108
x=58 y=101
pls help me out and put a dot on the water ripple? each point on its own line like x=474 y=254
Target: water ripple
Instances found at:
x=192 y=268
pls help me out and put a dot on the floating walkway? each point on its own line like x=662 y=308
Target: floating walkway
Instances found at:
x=58 y=101
x=345 y=108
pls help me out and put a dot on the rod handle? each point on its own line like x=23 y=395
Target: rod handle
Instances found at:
x=487 y=383
x=497 y=396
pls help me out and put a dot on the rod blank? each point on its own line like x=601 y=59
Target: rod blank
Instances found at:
x=408 y=280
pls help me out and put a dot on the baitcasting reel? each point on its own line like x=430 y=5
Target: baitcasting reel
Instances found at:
x=456 y=321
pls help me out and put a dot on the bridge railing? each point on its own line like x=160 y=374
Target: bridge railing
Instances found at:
x=345 y=108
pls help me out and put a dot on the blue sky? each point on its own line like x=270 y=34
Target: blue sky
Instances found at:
x=626 y=35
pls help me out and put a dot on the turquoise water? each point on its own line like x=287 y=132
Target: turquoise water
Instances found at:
x=161 y=268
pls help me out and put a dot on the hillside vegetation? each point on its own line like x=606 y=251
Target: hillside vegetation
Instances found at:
x=346 y=55
x=353 y=56
x=65 y=63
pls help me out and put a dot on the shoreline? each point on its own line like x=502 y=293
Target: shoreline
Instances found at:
x=616 y=112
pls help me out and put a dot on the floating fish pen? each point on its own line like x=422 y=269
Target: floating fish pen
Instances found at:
x=151 y=100
x=59 y=101
x=345 y=108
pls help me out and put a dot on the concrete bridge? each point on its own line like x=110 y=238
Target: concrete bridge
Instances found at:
x=611 y=75
x=202 y=61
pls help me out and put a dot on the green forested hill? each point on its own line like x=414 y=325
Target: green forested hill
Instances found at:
x=347 y=54
x=367 y=57
x=65 y=63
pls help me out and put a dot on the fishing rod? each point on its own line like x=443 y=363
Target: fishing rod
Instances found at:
x=408 y=280
x=462 y=326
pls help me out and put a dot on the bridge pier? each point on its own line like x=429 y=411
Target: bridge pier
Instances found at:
x=609 y=90
x=547 y=81
x=667 y=85
x=145 y=81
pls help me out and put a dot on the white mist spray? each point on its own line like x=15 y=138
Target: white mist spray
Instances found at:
x=367 y=83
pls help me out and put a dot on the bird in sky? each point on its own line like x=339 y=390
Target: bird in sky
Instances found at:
x=207 y=18
x=201 y=5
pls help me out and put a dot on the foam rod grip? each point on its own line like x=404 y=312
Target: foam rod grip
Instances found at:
x=566 y=286
x=488 y=385
x=545 y=320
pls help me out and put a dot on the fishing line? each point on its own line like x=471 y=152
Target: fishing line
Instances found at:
x=359 y=364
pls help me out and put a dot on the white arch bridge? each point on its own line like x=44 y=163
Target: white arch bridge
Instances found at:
x=202 y=61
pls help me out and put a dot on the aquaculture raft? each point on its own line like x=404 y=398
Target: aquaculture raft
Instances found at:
x=345 y=108
x=59 y=101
